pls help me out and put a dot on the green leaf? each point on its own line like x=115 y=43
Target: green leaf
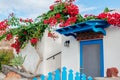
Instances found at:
x=106 y=9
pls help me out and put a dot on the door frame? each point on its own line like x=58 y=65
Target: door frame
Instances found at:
x=90 y=42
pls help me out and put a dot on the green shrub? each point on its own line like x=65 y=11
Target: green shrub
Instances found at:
x=5 y=56
x=17 y=60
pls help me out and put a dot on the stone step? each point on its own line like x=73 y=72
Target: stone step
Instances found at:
x=106 y=78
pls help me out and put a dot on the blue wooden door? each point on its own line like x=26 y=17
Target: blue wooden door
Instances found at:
x=91 y=57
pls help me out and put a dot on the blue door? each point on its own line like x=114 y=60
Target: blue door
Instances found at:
x=91 y=58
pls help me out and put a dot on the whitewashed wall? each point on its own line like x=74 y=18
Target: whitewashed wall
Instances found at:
x=47 y=47
x=52 y=47
x=32 y=57
x=70 y=55
x=112 y=48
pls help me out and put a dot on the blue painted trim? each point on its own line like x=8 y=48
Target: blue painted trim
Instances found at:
x=102 y=58
x=90 y=42
x=90 y=25
x=99 y=30
x=81 y=55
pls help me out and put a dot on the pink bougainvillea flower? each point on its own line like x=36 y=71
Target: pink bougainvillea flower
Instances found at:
x=71 y=19
x=86 y=15
x=71 y=0
x=56 y=1
x=102 y=16
x=46 y=21
x=61 y=25
x=52 y=21
x=25 y=32
x=9 y=36
x=34 y=41
x=113 y=19
x=2 y=32
x=72 y=9
x=49 y=34
x=16 y=45
x=30 y=20
x=3 y=25
x=52 y=7
x=52 y=35
x=21 y=20
x=57 y=15
x=26 y=20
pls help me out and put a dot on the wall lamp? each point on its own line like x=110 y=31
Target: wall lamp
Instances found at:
x=67 y=43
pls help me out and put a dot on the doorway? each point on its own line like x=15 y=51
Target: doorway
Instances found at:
x=91 y=58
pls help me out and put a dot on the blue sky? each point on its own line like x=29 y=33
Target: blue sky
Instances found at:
x=33 y=8
x=96 y=6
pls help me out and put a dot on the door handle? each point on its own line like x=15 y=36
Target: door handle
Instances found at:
x=82 y=68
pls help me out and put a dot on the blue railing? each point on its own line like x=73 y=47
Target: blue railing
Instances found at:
x=64 y=75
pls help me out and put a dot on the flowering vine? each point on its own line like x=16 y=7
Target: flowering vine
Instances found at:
x=3 y=25
x=61 y=13
x=113 y=19
x=64 y=13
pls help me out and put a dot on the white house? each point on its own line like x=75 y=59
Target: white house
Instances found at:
x=89 y=55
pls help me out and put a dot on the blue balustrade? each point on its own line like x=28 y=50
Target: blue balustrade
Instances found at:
x=57 y=75
x=42 y=77
x=77 y=77
x=83 y=77
x=49 y=76
x=35 y=78
x=90 y=78
x=64 y=75
x=70 y=76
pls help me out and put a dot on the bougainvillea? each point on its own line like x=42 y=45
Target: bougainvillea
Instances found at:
x=64 y=13
x=61 y=13
x=16 y=45
x=9 y=36
x=3 y=25
x=34 y=41
x=113 y=19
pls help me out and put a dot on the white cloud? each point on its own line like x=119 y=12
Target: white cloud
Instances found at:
x=24 y=8
x=88 y=9
x=84 y=8
x=30 y=8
